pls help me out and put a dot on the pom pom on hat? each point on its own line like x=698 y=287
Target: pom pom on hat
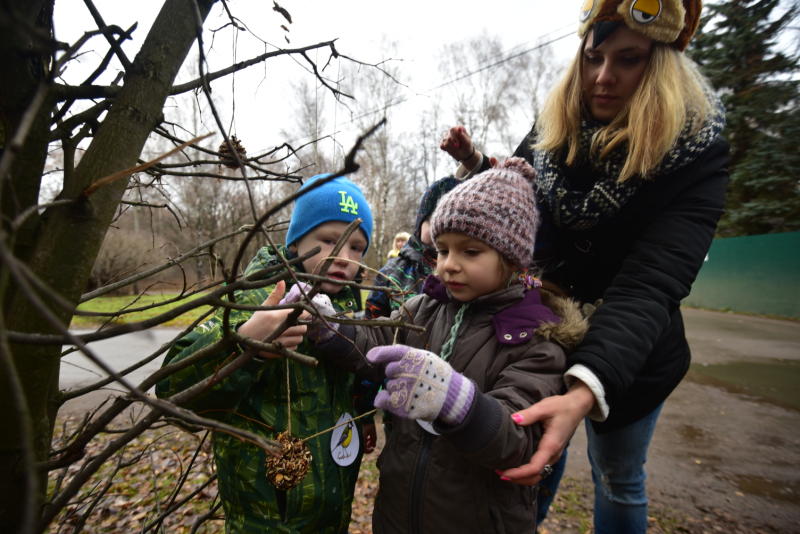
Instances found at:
x=497 y=207
x=673 y=22
x=337 y=200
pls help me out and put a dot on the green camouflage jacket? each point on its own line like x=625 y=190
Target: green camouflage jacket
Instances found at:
x=255 y=398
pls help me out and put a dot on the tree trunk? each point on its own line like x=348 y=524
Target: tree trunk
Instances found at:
x=66 y=240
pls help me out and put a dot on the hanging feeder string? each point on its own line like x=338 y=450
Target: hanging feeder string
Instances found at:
x=289 y=409
x=365 y=414
x=288 y=393
x=288 y=400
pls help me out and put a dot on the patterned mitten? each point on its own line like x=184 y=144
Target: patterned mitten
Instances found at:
x=421 y=385
x=318 y=331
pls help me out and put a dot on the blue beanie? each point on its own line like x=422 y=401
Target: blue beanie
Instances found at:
x=338 y=200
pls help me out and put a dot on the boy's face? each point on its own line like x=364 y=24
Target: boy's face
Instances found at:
x=346 y=264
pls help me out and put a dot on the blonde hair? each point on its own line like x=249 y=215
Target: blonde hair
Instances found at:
x=671 y=94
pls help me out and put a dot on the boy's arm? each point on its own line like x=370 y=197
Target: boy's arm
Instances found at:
x=229 y=392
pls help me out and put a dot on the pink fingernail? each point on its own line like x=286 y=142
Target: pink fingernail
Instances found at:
x=516 y=417
x=498 y=472
x=505 y=478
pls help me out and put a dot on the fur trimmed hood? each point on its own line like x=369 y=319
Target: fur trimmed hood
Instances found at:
x=569 y=332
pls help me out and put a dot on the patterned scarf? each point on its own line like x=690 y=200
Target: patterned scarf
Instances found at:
x=582 y=209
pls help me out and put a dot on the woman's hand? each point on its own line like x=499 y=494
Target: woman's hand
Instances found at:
x=263 y=322
x=560 y=415
x=457 y=143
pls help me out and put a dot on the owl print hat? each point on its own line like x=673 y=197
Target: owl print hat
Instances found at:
x=668 y=21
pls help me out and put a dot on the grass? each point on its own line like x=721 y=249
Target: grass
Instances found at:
x=112 y=305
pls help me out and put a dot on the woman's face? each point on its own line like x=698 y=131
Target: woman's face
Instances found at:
x=611 y=72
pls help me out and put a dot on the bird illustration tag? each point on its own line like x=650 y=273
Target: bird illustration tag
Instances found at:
x=345 y=442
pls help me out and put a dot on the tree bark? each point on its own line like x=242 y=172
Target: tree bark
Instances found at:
x=65 y=241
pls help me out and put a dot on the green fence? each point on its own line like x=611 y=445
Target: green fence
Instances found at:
x=751 y=274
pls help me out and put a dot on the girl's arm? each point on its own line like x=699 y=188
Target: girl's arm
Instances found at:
x=349 y=346
x=488 y=435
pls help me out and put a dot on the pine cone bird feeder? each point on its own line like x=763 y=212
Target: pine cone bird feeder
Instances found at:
x=226 y=157
x=287 y=470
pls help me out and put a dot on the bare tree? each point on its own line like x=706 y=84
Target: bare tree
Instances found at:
x=387 y=188
x=494 y=90
x=48 y=250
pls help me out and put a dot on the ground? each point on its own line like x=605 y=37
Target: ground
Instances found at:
x=724 y=458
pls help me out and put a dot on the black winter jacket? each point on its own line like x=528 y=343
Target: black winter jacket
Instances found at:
x=641 y=264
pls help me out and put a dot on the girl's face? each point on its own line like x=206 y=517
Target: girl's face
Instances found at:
x=399 y=242
x=469 y=268
x=611 y=72
x=346 y=264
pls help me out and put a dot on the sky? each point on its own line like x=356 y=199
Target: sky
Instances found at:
x=263 y=102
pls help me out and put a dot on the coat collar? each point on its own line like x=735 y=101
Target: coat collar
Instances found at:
x=517 y=324
x=514 y=324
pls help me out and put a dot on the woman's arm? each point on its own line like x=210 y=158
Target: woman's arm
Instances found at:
x=655 y=275
x=559 y=416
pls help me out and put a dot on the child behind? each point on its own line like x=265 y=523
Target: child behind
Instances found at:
x=255 y=397
x=405 y=273
x=489 y=348
x=399 y=241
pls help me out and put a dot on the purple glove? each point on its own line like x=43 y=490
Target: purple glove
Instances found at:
x=317 y=331
x=421 y=385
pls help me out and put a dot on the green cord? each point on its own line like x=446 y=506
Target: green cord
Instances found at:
x=447 y=348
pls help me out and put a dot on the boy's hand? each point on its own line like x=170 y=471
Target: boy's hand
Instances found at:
x=263 y=322
x=318 y=331
x=421 y=385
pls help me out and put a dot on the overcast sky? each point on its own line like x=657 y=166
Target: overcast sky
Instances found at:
x=263 y=103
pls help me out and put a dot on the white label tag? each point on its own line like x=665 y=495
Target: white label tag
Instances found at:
x=428 y=426
x=345 y=442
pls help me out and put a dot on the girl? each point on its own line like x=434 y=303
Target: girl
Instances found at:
x=632 y=172
x=488 y=348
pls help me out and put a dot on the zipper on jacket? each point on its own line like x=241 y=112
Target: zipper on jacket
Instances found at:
x=417 y=483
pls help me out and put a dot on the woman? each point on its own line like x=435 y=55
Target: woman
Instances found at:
x=631 y=183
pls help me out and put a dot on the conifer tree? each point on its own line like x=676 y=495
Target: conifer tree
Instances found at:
x=748 y=50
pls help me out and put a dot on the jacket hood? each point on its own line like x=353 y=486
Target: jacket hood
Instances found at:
x=568 y=332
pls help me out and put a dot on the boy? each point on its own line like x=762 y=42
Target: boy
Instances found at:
x=255 y=397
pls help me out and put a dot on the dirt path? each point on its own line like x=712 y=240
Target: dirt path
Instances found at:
x=722 y=460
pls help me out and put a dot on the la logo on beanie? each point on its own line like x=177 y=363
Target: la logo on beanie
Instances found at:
x=347 y=203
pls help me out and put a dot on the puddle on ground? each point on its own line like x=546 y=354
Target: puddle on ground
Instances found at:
x=764 y=487
x=770 y=380
x=691 y=433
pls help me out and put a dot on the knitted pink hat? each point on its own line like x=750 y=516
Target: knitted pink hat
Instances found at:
x=496 y=207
